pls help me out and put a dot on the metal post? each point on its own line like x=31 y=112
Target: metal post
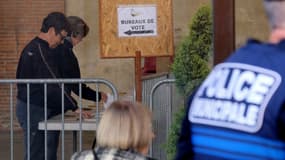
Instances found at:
x=224 y=29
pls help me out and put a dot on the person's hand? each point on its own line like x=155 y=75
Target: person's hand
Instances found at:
x=104 y=97
x=85 y=114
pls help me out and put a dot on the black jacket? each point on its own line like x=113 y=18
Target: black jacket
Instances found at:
x=32 y=66
x=233 y=117
x=69 y=68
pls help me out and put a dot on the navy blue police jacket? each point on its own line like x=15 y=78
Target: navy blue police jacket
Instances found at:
x=238 y=111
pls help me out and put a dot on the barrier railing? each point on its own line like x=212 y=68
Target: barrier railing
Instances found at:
x=12 y=82
x=163 y=100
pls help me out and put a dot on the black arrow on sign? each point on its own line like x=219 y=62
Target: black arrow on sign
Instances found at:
x=129 y=32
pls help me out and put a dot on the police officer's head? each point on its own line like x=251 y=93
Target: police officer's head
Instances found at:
x=275 y=10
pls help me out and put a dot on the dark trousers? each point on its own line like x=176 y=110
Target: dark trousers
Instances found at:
x=37 y=141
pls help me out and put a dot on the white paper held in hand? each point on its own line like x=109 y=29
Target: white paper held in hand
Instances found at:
x=110 y=99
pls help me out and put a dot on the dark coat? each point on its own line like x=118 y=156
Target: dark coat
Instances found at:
x=69 y=68
x=33 y=65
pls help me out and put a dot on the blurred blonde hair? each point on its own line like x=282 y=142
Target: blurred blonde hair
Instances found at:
x=125 y=125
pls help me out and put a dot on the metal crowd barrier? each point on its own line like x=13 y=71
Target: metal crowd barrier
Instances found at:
x=163 y=100
x=12 y=82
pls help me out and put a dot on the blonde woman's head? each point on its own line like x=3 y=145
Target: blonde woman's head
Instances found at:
x=125 y=125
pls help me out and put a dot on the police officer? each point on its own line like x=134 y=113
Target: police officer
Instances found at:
x=238 y=112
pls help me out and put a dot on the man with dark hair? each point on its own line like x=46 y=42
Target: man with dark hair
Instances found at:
x=57 y=21
x=38 y=61
x=238 y=112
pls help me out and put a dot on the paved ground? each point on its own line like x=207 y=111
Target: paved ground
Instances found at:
x=5 y=148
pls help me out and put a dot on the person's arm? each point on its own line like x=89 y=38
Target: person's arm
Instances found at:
x=90 y=94
x=184 y=147
x=25 y=66
x=87 y=92
x=69 y=68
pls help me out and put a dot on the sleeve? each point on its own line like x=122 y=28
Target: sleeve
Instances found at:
x=25 y=70
x=25 y=65
x=88 y=93
x=70 y=69
x=184 y=148
x=71 y=103
x=54 y=94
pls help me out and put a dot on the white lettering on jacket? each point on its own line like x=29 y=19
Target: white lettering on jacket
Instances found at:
x=234 y=96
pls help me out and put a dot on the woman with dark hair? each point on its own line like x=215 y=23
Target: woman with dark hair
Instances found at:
x=69 y=66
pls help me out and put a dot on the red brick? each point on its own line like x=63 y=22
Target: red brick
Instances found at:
x=20 y=21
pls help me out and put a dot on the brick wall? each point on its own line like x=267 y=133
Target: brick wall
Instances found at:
x=20 y=21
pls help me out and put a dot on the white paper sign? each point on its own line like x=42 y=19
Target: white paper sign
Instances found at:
x=137 y=20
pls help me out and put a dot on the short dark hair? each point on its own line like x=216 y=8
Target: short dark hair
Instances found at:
x=57 y=20
x=77 y=26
